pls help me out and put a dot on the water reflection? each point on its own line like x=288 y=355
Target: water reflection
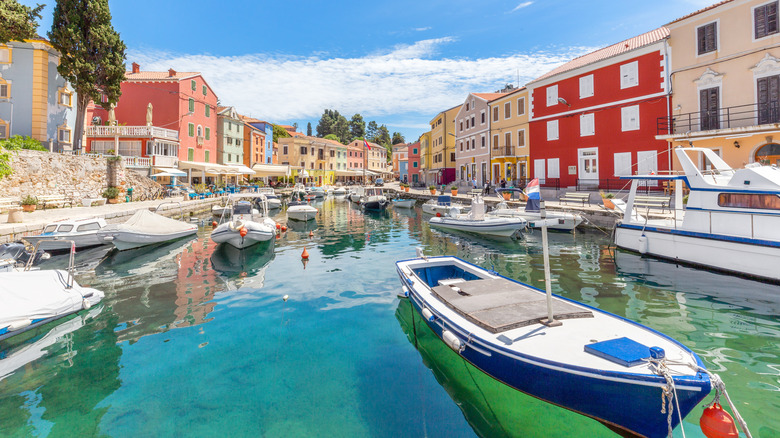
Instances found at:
x=243 y=267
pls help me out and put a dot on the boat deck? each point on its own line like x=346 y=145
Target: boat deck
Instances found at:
x=498 y=305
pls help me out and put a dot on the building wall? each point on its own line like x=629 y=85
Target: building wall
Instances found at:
x=509 y=163
x=230 y=138
x=441 y=169
x=414 y=162
x=254 y=145
x=355 y=157
x=472 y=142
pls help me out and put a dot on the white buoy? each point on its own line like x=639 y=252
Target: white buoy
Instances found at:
x=642 y=244
x=452 y=341
x=427 y=314
x=286 y=297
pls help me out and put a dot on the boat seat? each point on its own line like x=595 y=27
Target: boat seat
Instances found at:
x=449 y=281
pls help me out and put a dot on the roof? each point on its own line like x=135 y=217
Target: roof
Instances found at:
x=159 y=75
x=700 y=11
x=489 y=96
x=610 y=51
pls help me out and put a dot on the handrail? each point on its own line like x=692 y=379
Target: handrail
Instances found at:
x=71 y=259
x=181 y=210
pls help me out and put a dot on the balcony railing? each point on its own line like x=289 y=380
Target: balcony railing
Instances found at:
x=165 y=160
x=503 y=151
x=132 y=131
x=740 y=116
x=199 y=140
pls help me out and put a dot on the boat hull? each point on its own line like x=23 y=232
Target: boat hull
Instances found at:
x=256 y=233
x=124 y=240
x=301 y=213
x=379 y=204
x=565 y=221
x=403 y=203
x=507 y=227
x=429 y=208
x=82 y=240
x=734 y=255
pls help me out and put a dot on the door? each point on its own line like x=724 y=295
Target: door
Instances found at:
x=708 y=107
x=496 y=173
x=588 y=164
x=768 y=90
x=539 y=170
x=484 y=174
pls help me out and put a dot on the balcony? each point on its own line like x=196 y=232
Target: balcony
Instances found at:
x=199 y=140
x=503 y=151
x=741 y=118
x=132 y=131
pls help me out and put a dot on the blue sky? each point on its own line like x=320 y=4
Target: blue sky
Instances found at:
x=398 y=62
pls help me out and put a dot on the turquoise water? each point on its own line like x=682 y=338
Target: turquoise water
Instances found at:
x=195 y=340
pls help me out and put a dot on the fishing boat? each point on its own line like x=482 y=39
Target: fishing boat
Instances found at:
x=563 y=221
x=298 y=207
x=443 y=205
x=730 y=221
x=59 y=235
x=476 y=222
x=403 y=203
x=32 y=298
x=145 y=228
x=373 y=199
x=247 y=226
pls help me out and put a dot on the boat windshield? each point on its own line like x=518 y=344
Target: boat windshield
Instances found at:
x=88 y=227
x=242 y=208
x=65 y=228
x=49 y=228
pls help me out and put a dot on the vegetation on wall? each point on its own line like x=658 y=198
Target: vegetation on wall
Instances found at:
x=15 y=143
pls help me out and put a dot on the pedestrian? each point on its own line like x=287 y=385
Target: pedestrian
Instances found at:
x=474 y=182
x=487 y=188
x=503 y=183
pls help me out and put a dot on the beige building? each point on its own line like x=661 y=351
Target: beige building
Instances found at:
x=320 y=158
x=509 y=148
x=441 y=167
x=425 y=157
x=374 y=159
x=725 y=75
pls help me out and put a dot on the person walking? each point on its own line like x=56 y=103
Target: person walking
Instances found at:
x=503 y=183
x=474 y=183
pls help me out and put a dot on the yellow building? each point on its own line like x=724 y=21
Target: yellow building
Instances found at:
x=442 y=157
x=725 y=75
x=320 y=158
x=509 y=149
x=425 y=154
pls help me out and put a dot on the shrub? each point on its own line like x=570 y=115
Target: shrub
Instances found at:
x=21 y=142
x=454 y=188
x=431 y=187
x=111 y=193
x=30 y=200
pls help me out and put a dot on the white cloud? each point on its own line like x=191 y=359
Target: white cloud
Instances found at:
x=402 y=80
x=521 y=6
x=421 y=29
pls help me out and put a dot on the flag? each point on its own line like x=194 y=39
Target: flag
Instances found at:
x=532 y=189
x=367 y=145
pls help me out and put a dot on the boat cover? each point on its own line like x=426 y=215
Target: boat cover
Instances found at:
x=144 y=221
x=36 y=295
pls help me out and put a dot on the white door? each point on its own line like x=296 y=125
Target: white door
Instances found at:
x=539 y=169
x=588 y=160
x=622 y=164
x=646 y=164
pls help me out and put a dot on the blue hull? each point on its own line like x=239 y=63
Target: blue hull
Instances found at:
x=628 y=401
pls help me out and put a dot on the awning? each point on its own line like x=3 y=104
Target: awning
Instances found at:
x=208 y=168
x=168 y=171
x=243 y=170
x=348 y=173
x=262 y=170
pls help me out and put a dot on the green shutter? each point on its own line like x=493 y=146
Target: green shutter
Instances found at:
x=208 y=133
x=192 y=130
x=208 y=110
x=194 y=87
x=192 y=105
x=190 y=154
x=207 y=156
x=205 y=91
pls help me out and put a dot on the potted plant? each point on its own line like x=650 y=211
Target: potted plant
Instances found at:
x=506 y=195
x=112 y=194
x=29 y=203
x=432 y=189
x=454 y=190
x=606 y=198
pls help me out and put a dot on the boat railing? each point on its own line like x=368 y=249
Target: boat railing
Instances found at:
x=71 y=258
x=181 y=210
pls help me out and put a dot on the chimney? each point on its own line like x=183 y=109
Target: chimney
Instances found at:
x=136 y=67
x=171 y=73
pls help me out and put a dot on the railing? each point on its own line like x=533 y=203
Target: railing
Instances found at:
x=199 y=140
x=503 y=151
x=132 y=131
x=613 y=184
x=138 y=161
x=740 y=116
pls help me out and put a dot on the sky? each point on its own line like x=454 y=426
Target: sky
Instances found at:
x=396 y=62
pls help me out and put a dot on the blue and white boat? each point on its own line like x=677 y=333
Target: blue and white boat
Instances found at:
x=730 y=223
x=583 y=359
x=404 y=202
x=475 y=221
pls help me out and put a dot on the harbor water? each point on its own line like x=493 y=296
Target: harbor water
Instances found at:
x=197 y=340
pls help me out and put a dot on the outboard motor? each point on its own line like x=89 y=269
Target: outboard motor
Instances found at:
x=19 y=252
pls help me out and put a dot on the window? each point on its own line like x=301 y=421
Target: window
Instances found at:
x=238 y=142
x=5 y=55
x=200 y=132
x=629 y=75
x=629 y=116
x=414 y=151
x=304 y=151
x=521 y=137
x=284 y=150
x=5 y=89
x=208 y=133
x=190 y=154
x=483 y=140
x=207 y=156
x=552 y=130
x=461 y=125
x=495 y=113
x=495 y=141
x=208 y=110
x=192 y=105
x=63 y=134
x=521 y=106
x=586 y=86
x=483 y=117
x=508 y=139
x=552 y=95
x=473 y=120
x=507 y=110
x=3 y=129
x=765 y=20
x=553 y=168
x=205 y=91
x=65 y=97
x=461 y=146
x=191 y=129
x=707 y=38
x=230 y=157
x=467 y=106
x=622 y=166
x=414 y=164
x=587 y=125
x=193 y=85
x=749 y=200
x=452 y=157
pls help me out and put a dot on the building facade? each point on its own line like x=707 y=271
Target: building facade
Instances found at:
x=425 y=176
x=509 y=145
x=725 y=76
x=414 y=163
x=321 y=159
x=472 y=139
x=230 y=136
x=400 y=152
x=594 y=118
x=254 y=143
x=35 y=100
x=441 y=164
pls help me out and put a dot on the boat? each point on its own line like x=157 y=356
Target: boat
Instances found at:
x=372 y=198
x=476 y=222
x=318 y=192
x=15 y=255
x=298 y=208
x=145 y=228
x=271 y=197
x=32 y=298
x=59 y=235
x=404 y=203
x=356 y=193
x=729 y=224
x=338 y=191
x=247 y=226
x=243 y=268
x=555 y=220
x=582 y=358
x=442 y=205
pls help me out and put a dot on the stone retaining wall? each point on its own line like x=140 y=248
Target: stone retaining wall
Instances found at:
x=74 y=176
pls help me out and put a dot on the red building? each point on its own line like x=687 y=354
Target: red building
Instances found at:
x=593 y=119
x=181 y=102
x=414 y=163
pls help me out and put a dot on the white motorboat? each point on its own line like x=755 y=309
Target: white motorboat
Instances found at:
x=373 y=199
x=82 y=232
x=557 y=220
x=247 y=226
x=298 y=209
x=318 y=192
x=730 y=222
x=356 y=193
x=442 y=205
x=338 y=191
x=477 y=223
x=271 y=197
x=404 y=203
x=145 y=228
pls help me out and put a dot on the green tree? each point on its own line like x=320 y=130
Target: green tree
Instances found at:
x=22 y=142
x=19 y=21
x=308 y=129
x=357 y=127
x=279 y=132
x=341 y=127
x=398 y=138
x=383 y=136
x=372 y=131
x=332 y=137
x=325 y=125
x=92 y=54
x=295 y=125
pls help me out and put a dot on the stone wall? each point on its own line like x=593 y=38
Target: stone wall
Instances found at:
x=75 y=176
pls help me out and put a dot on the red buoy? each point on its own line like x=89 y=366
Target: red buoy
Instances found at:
x=278 y=226
x=278 y=236
x=438 y=214
x=243 y=232
x=717 y=423
x=305 y=254
x=213 y=224
x=311 y=233
x=284 y=229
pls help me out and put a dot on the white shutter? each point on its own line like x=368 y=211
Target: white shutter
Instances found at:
x=539 y=169
x=553 y=168
x=552 y=130
x=586 y=86
x=552 y=95
x=646 y=164
x=587 y=125
x=629 y=118
x=622 y=165
x=629 y=74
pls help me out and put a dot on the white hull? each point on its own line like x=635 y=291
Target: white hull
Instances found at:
x=301 y=213
x=741 y=258
x=218 y=211
x=274 y=203
x=498 y=227
x=124 y=240
x=444 y=209
x=403 y=203
x=565 y=221
x=256 y=233
x=82 y=240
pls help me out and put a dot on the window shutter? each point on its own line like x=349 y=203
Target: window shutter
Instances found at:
x=711 y=42
x=521 y=138
x=771 y=18
x=760 y=21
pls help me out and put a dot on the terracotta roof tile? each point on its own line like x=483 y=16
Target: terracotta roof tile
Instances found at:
x=489 y=96
x=158 y=75
x=608 y=52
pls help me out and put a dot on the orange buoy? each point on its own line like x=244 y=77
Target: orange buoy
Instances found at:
x=438 y=214
x=213 y=224
x=304 y=261
x=305 y=254
x=278 y=226
x=278 y=236
x=284 y=229
x=243 y=232
x=311 y=233
x=717 y=423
